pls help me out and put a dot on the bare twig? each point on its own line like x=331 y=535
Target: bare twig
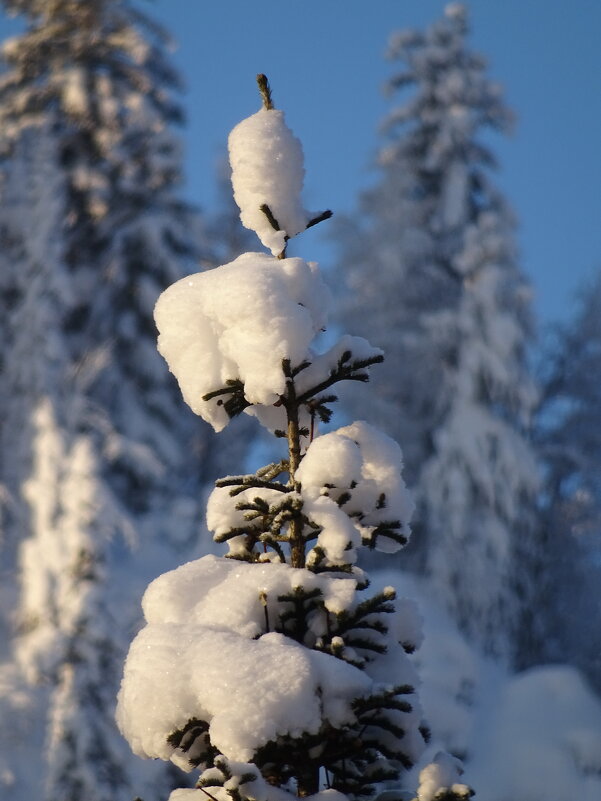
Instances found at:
x=265 y=90
x=325 y=215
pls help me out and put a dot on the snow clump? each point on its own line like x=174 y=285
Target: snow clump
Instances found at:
x=267 y=170
x=238 y=322
x=363 y=465
x=441 y=777
x=206 y=653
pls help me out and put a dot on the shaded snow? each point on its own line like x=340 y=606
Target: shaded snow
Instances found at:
x=533 y=736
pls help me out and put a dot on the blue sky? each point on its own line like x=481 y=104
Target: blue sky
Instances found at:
x=325 y=62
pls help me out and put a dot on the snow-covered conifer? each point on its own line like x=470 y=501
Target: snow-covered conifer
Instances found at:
x=272 y=671
x=569 y=440
x=444 y=296
x=92 y=230
x=71 y=642
x=98 y=75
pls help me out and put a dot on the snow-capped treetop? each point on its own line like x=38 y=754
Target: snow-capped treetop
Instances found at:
x=267 y=170
x=267 y=175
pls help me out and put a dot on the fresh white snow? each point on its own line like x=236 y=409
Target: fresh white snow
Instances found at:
x=267 y=168
x=440 y=775
x=364 y=463
x=237 y=323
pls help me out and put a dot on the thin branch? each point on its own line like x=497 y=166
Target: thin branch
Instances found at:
x=265 y=90
x=269 y=214
x=246 y=482
x=342 y=373
x=206 y=792
x=325 y=215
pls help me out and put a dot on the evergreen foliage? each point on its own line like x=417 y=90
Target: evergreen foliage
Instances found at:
x=445 y=298
x=96 y=75
x=569 y=442
x=94 y=458
x=269 y=670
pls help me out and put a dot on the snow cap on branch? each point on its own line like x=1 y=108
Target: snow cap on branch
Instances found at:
x=440 y=780
x=237 y=323
x=199 y=657
x=267 y=170
x=364 y=464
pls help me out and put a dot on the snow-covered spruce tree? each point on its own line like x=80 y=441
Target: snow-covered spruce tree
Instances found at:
x=96 y=72
x=269 y=671
x=92 y=230
x=445 y=298
x=67 y=648
x=569 y=441
x=71 y=641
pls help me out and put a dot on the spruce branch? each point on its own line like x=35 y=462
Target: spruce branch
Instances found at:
x=268 y=541
x=205 y=791
x=345 y=370
x=271 y=218
x=272 y=470
x=299 y=368
x=236 y=403
x=325 y=215
x=365 y=644
x=344 y=498
x=389 y=529
x=275 y=225
x=236 y=531
x=317 y=406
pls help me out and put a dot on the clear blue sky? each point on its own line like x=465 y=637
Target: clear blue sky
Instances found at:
x=325 y=62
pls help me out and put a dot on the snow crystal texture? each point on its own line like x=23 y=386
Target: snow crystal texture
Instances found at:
x=267 y=169
x=237 y=323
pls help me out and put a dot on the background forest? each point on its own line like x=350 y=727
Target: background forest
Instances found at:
x=104 y=471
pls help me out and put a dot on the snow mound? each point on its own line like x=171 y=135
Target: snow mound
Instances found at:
x=237 y=323
x=363 y=465
x=442 y=775
x=267 y=169
x=207 y=654
x=248 y=691
x=237 y=594
x=545 y=742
